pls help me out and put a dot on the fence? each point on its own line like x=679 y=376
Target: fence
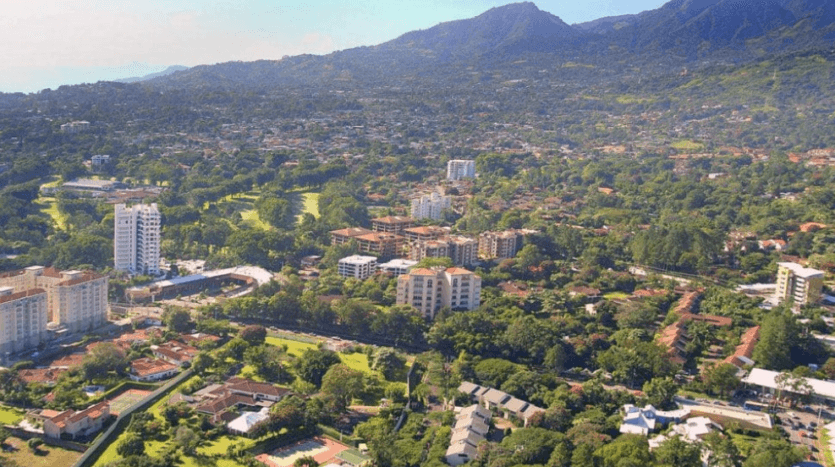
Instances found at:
x=103 y=441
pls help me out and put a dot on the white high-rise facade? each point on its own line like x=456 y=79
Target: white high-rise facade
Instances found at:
x=458 y=169
x=136 y=239
x=430 y=206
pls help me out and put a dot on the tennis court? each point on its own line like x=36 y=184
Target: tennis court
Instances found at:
x=126 y=399
x=321 y=449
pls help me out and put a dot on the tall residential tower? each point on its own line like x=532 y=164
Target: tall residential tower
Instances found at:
x=136 y=239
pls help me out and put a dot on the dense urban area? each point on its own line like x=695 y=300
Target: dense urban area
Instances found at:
x=526 y=259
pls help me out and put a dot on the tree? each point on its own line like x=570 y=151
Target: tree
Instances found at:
x=4 y=435
x=103 y=358
x=387 y=362
x=314 y=363
x=254 y=334
x=675 y=452
x=768 y=452
x=778 y=334
x=661 y=392
x=34 y=444
x=721 y=378
x=177 y=319
x=306 y=461
x=626 y=450
x=187 y=439
x=722 y=452
x=343 y=383
x=131 y=445
x=202 y=362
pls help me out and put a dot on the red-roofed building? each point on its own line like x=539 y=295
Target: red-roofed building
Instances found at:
x=152 y=369
x=392 y=224
x=48 y=376
x=78 y=424
x=175 y=352
x=745 y=350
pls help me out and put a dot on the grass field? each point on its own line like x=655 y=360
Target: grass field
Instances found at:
x=616 y=296
x=10 y=416
x=687 y=145
x=311 y=203
x=294 y=348
x=49 y=206
x=47 y=456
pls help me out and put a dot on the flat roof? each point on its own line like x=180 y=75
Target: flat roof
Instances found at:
x=800 y=271
x=766 y=378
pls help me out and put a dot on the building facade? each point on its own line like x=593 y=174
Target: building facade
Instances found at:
x=797 y=285
x=360 y=267
x=429 y=290
x=458 y=169
x=76 y=300
x=392 y=224
x=136 y=239
x=430 y=206
x=499 y=245
x=23 y=319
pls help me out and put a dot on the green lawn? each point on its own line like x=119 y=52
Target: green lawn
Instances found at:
x=10 y=416
x=356 y=361
x=311 y=203
x=616 y=296
x=294 y=348
x=49 y=206
x=687 y=145
x=48 y=456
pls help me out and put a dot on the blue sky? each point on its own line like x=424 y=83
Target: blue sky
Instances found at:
x=47 y=43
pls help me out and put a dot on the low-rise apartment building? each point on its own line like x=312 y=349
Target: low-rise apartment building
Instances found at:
x=22 y=319
x=392 y=224
x=360 y=267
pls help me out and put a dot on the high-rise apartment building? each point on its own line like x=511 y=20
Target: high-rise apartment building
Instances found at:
x=430 y=206
x=797 y=285
x=22 y=319
x=429 y=290
x=458 y=169
x=76 y=300
x=136 y=239
x=499 y=245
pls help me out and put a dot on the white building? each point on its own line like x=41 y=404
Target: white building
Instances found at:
x=136 y=239
x=361 y=267
x=397 y=267
x=429 y=290
x=430 y=206
x=797 y=285
x=23 y=319
x=471 y=426
x=458 y=169
x=74 y=299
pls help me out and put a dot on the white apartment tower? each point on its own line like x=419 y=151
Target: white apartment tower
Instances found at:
x=797 y=285
x=136 y=239
x=360 y=267
x=22 y=319
x=429 y=290
x=430 y=206
x=458 y=169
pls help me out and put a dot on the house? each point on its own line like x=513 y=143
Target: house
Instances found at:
x=48 y=376
x=471 y=426
x=500 y=400
x=745 y=350
x=175 y=352
x=692 y=430
x=152 y=369
x=642 y=421
x=78 y=424
x=219 y=400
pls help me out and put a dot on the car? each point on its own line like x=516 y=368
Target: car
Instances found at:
x=813 y=424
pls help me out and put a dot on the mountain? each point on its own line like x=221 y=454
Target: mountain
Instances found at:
x=521 y=37
x=514 y=28
x=165 y=72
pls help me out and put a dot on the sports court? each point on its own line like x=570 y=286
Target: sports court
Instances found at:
x=126 y=399
x=321 y=449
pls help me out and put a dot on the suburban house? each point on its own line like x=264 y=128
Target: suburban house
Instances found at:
x=174 y=352
x=219 y=400
x=500 y=401
x=642 y=421
x=77 y=424
x=152 y=369
x=471 y=426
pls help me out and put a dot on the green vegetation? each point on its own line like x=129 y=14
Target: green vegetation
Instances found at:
x=46 y=456
x=687 y=145
x=10 y=416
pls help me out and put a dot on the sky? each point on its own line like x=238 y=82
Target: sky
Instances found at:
x=48 y=43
